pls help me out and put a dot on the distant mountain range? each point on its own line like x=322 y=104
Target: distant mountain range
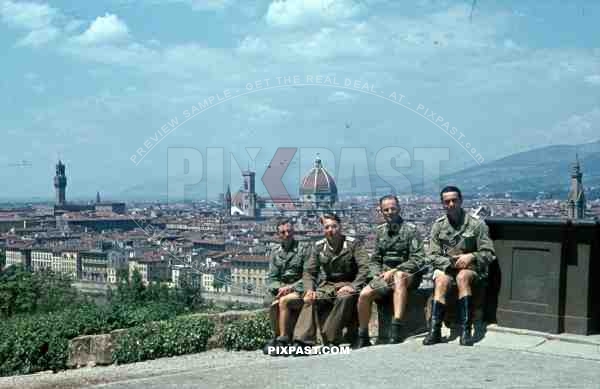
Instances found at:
x=545 y=171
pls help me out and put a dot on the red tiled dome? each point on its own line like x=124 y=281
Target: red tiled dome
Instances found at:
x=318 y=181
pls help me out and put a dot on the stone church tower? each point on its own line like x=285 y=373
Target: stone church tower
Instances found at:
x=576 y=200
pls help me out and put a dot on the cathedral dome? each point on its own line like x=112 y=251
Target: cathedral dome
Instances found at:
x=318 y=186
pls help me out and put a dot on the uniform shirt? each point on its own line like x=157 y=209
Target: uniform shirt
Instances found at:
x=470 y=237
x=351 y=264
x=286 y=267
x=395 y=248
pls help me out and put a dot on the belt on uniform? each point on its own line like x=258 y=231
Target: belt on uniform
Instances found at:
x=340 y=277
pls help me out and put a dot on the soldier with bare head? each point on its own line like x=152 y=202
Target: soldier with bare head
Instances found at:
x=334 y=276
x=460 y=251
x=395 y=266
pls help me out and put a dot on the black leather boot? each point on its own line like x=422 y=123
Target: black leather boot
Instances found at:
x=270 y=343
x=435 y=329
x=464 y=321
x=397 y=335
x=352 y=336
x=363 y=338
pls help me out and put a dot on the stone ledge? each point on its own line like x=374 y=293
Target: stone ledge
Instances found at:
x=92 y=350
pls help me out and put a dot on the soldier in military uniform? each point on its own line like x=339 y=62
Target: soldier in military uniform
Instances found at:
x=285 y=283
x=335 y=273
x=460 y=251
x=396 y=265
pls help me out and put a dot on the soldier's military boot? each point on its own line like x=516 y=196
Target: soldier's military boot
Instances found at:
x=363 y=338
x=351 y=336
x=397 y=333
x=270 y=343
x=435 y=328
x=464 y=321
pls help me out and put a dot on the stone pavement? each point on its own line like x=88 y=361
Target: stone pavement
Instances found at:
x=505 y=358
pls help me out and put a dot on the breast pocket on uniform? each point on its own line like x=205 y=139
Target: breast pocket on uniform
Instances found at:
x=469 y=243
x=403 y=248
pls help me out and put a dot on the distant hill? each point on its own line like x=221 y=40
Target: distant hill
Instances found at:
x=543 y=171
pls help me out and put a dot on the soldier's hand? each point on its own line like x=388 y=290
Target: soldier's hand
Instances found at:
x=387 y=276
x=283 y=291
x=463 y=261
x=345 y=290
x=310 y=297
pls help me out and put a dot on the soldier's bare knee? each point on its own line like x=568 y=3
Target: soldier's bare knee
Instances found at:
x=283 y=303
x=442 y=282
x=366 y=294
x=401 y=280
x=464 y=278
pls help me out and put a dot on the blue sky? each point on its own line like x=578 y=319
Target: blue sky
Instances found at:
x=91 y=83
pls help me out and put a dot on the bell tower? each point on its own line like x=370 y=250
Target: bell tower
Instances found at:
x=249 y=193
x=227 y=202
x=60 y=183
x=576 y=200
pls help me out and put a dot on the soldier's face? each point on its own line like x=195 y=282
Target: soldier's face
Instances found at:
x=331 y=228
x=451 y=201
x=389 y=209
x=286 y=232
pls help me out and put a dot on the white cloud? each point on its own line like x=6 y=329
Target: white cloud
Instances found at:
x=105 y=29
x=39 y=19
x=301 y=12
x=27 y=15
x=195 y=5
x=38 y=38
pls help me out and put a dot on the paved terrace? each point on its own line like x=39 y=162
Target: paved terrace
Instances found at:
x=505 y=358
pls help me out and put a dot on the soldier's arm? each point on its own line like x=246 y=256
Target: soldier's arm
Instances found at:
x=311 y=269
x=274 y=278
x=304 y=252
x=417 y=250
x=376 y=261
x=485 y=253
x=362 y=261
x=437 y=259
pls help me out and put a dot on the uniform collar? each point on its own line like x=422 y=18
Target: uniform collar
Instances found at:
x=463 y=223
x=396 y=230
x=293 y=248
x=344 y=244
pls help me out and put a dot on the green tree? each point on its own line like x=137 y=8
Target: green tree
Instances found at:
x=24 y=292
x=189 y=293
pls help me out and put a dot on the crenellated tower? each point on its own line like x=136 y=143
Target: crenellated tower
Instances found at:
x=60 y=183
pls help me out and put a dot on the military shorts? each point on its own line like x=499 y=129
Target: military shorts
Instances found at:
x=410 y=267
x=298 y=288
x=328 y=289
x=452 y=273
